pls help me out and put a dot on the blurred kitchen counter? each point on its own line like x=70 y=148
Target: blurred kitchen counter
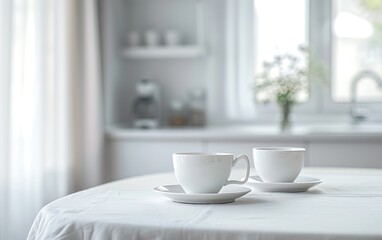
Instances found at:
x=252 y=132
x=132 y=152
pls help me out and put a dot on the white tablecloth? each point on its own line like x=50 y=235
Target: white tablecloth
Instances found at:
x=347 y=205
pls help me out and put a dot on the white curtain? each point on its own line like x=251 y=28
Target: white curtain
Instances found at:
x=240 y=41
x=50 y=106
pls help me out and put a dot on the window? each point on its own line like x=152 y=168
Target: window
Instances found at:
x=345 y=35
x=356 y=46
x=279 y=30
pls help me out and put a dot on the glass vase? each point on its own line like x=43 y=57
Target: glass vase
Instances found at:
x=285 y=116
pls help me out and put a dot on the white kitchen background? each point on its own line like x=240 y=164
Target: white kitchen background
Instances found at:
x=232 y=39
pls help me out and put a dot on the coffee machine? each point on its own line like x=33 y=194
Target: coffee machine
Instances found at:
x=146 y=108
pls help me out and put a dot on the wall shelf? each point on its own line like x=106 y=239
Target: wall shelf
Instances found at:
x=194 y=50
x=190 y=51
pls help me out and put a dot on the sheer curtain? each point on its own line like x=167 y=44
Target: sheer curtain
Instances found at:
x=50 y=106
x=239 y=65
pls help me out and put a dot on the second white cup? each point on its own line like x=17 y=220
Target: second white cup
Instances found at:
x=278 y=164
x=200 y=173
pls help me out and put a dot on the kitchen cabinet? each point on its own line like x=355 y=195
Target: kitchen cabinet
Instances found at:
x=363 y=154
x=132 y=152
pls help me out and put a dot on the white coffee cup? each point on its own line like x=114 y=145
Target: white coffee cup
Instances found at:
x=206 y=172
x=278 y=164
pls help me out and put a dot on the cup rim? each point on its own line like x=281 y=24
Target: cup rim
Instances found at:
x=279 y=149
x=202 y=154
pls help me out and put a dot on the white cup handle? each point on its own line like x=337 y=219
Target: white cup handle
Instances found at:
x=244 y=157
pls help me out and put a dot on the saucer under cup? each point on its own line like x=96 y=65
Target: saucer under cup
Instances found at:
x=301 y=184
x=278 y=164
x=227 y=194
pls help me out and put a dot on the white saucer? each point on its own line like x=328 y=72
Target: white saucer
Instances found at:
x=301 y=184
x=226 y=195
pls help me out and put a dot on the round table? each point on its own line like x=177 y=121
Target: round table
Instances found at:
x=347 y=205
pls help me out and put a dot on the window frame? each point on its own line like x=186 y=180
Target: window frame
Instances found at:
x=320 y=105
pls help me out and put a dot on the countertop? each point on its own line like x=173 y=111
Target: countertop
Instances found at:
x=251 y=132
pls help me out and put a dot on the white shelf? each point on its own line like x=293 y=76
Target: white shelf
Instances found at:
x=192 y=51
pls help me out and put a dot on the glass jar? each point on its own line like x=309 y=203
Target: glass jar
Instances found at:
x=197 y=108
x=177 y=114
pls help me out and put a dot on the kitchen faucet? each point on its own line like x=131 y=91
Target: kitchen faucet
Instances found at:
x=360 y=114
